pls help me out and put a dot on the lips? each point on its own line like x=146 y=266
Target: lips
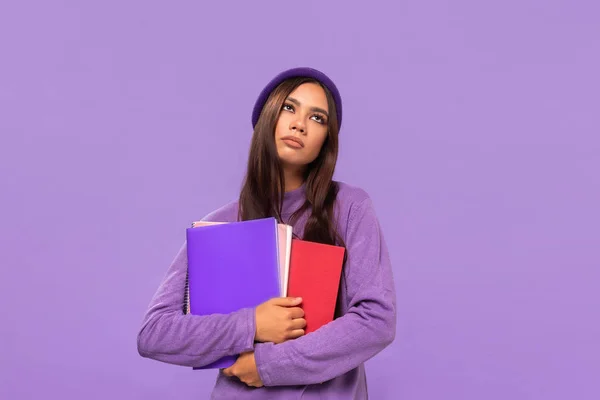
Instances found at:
x=293 y=139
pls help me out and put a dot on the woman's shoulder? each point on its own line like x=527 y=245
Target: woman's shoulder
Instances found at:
x=226 y=213
x=354 y=209
x=350 y=195
x=352 y=200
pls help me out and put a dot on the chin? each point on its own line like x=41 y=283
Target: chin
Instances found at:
x=293 y=162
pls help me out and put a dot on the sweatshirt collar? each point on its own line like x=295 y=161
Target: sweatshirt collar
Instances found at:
x=294 y=199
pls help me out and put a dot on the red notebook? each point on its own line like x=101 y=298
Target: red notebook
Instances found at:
x=315 y=271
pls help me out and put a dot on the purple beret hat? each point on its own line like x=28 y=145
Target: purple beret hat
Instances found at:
x=293 y=73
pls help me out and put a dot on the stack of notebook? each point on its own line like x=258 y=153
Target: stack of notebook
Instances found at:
x=243 y=264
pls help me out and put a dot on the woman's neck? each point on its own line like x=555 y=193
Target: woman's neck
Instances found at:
x=293 y=179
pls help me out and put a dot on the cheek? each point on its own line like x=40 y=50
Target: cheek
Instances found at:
x=316 y=144
x=281 y=125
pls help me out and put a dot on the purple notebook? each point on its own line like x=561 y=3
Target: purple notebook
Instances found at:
x=232 y=266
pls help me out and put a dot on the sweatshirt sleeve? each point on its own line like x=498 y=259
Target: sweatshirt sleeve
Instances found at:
x=170 y=335
x=364 y=330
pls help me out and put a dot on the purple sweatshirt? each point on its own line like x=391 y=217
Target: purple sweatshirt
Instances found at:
x=327 y=363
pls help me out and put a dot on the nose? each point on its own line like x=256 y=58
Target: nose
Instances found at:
x=298 y=126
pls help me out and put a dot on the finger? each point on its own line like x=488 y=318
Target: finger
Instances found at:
x=286 y=301
x=296 y=312
x=227 y=372
x=299 y=323
x=296 y=333
x=252 y=381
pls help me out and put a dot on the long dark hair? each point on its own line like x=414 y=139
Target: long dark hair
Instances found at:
x=263 y=188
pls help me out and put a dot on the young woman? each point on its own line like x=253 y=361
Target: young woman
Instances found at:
x=291 y=163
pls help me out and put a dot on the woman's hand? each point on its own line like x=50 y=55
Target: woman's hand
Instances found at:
x=279 y=319
x=245 y=370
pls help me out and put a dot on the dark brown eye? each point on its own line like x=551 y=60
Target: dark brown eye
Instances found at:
x=319 y=119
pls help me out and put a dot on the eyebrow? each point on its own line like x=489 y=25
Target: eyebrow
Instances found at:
x=316 y=109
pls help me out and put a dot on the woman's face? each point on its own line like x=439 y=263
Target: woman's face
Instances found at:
x=302 y=125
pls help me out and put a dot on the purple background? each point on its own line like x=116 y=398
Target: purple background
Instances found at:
x=473 y=125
